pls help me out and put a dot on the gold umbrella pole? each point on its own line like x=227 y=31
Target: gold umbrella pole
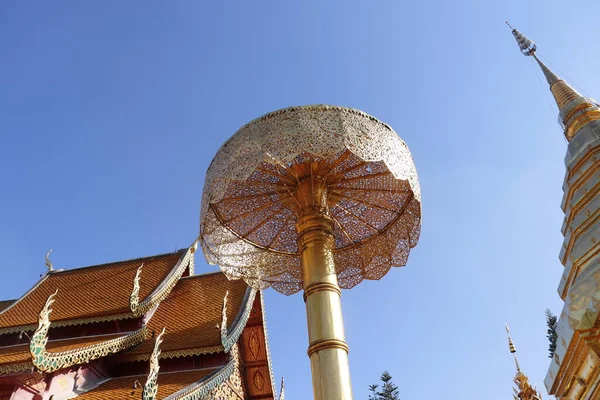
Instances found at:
x=327 y=350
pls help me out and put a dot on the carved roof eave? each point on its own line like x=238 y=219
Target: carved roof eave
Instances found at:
x=69 y=322
x=197 y=351
x=7 y=369
x=267 y=347
x=234 y=332
x=200 y=389
x=159 y=294
x=164 y=288
x=229 y=337
x=53 y=361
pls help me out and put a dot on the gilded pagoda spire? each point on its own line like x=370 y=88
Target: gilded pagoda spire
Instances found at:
x=523 y=389
x=575 y=110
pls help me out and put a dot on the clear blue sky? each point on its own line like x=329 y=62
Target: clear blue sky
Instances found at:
x=111 y=111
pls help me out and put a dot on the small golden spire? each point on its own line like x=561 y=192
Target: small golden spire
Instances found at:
x=523 y=390
x=511 y=347
x=575 y=110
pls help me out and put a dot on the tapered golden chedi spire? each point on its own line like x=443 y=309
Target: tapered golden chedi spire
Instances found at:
x=575 y=110
x=523 y=389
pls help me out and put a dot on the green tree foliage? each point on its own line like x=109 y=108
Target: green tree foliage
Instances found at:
x=551 y=322
x=373 y=390
x=389 y=391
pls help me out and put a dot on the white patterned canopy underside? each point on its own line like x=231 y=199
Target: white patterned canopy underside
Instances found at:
x=247 y=227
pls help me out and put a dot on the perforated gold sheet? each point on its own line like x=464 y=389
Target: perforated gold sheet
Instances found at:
x=249 y=207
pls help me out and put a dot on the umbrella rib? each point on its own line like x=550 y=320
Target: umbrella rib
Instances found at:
x=262 y=207
x=344 y=231
x=373 y=190
x=280 y=229
x=339 y=160
x=367 y=203
x=369 y=176
x=253 y=196
x=289 y=171
x=260 y=224
x=282 y=177
x=258 y=183
x=338 y=178
x=357 y=166
x=357 y=217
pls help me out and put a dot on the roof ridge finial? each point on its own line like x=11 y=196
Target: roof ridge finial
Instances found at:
x=48 y=262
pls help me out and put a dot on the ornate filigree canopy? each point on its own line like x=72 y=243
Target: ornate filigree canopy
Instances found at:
x=250 y=203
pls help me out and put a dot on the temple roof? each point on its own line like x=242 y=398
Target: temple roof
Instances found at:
x=122 y=388
x=19 y=354
x=5 y=303
x=190 y=309
x=90 y=292
x=193 y=324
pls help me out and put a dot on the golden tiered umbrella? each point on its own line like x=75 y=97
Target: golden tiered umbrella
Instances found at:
x=313 y=198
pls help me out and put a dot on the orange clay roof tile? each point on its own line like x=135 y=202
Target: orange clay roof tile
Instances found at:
x=89 y=292
x=192 y=312
x=5 y=303
x=122 y=388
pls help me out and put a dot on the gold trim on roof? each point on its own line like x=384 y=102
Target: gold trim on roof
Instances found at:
x=69 y=322
x=161 y=291
x=46 y=361
x=199 y=351
x=13 y=368
x=150 y=387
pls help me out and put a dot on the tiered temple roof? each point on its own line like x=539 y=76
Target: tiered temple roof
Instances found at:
x=93 y=333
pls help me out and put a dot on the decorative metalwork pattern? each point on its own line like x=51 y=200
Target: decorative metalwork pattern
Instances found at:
x=50 y=362
x=259 y=381
x=151 y=388
x=208 y=387
x=229 y=337
x=254 y=344
x=175 y=353
x=212 y=386
x=267 y=346
x=250 y=208
x=162 y=291
x=224 y=320
x=13 y=368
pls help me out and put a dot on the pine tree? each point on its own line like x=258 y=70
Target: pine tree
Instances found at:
x=389 y=391
x=373 y=390
x=552 y=323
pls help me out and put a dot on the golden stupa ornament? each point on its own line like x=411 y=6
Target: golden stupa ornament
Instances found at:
x=523 y=389
x=576 y=112
x=312 y=198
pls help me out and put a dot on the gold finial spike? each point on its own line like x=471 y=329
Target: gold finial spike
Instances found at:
x=511 y=345
x=528 y=47
x=48 y=262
